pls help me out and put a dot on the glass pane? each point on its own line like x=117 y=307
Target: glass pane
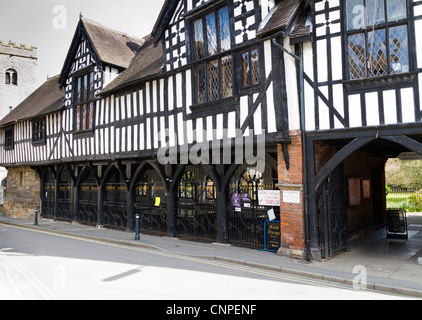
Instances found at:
x=91 y=85
x=213 y=81
x=377 y=55
x=201 y=84
x=355 y=14
x=399 y=50
x=225 y=29
x=199 y=40
x=255 y=67
x=211 y=34
x=245 y=69
x=396 y=10
x=357 y=56
x=227 y=76
x=84 y=117
x=375 y=12
x=86 y=83
x=79 y=91
x=78 y=118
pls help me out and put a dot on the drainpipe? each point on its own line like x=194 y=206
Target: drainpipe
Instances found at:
x=299 y=61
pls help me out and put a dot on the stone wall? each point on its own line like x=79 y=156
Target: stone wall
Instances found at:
x=22 y=193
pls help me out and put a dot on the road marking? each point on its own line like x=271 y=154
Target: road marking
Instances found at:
x=33 y=280
x=180 y=256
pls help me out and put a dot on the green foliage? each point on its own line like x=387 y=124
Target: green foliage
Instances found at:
x=404 y=174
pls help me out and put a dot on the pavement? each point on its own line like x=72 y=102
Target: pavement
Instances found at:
x=390 y=266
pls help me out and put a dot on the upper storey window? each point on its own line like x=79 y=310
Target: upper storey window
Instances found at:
x=84 y=102
x=377 y=37
x=11 y=77
x=211 y=40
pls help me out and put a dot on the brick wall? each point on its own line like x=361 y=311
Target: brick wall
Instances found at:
x=22 y=193
x=291 y=187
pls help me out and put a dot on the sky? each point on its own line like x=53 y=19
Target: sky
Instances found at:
x=50 y=25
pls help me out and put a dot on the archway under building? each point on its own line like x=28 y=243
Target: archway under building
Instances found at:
x=347 y=195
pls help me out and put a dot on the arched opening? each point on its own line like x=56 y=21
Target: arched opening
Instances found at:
x=350 y=189
x=88 y=198
x=150 y=202
x=246 y=215
x=197 y=208
x=64 y=208
x=49 y=196
x=11 y=77
x=115 y=214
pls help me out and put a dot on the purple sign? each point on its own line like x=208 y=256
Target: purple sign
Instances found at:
x=236 y=200
x=246 y=197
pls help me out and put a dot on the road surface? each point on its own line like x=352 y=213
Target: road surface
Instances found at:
x=37 y=265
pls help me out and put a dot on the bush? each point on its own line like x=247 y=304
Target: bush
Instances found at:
x=416 y=200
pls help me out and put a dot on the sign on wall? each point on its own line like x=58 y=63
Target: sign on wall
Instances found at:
x=269 y=198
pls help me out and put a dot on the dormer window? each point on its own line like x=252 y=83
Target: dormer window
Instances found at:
x=212 y=38
x=11 y=77
x=377 y=38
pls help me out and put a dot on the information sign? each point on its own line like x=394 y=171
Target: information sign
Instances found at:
x=272 y=236
x=397 y=224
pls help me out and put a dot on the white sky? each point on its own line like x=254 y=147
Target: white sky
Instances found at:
x=31 y=22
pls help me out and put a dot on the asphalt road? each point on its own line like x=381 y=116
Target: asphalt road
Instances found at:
x=36 y=265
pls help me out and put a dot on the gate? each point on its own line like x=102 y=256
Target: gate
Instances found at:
x=64 y=206
x=115 y=202
x=64 y=212
x=332 y=214
x=197 y=210
x=88 y=203
x=151 y=204
x=246 y=218
x=49 y=196
x=49 y=201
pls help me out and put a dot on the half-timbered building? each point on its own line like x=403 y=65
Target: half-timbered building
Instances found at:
x=162 y=139
x=362 y=101
x=227 y=103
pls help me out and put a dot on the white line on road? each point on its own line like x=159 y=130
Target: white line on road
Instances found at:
x=33 y=280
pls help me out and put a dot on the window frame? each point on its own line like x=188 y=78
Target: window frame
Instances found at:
x=366 y=30
x=39 y=136
x=84 y=100
x=9 y=141
x=241 y=79
x=11 y=77
x=208 y=59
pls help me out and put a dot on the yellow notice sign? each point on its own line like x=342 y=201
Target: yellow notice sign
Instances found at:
x=157 y=202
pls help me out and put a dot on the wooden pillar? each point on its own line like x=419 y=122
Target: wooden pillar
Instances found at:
x=222 y=218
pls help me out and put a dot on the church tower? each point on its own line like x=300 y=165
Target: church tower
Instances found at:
x=17 y=75
x=17 y=81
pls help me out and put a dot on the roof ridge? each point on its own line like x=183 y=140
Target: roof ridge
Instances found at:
x=121 y=33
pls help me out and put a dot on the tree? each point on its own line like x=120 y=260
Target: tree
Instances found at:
x=404 y=174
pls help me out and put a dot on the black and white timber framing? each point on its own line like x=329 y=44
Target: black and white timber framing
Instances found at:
x=133 y=121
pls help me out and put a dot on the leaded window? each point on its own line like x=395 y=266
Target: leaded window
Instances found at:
x=84 y=102
x=250 y=68
x=377 y=38
x=38 y=131
x=211 y=39
x=9 y=139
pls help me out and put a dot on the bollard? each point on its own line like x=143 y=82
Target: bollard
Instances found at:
x=137 y=237
x=36 y=217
